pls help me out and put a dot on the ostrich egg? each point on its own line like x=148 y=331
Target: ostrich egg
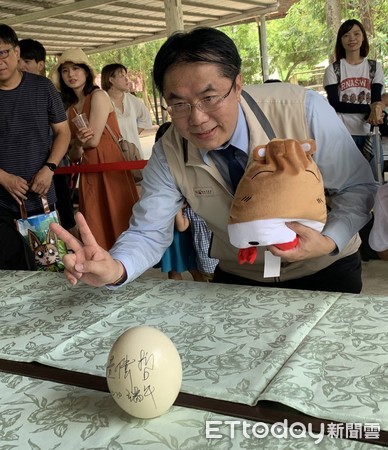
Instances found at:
x=144 y=372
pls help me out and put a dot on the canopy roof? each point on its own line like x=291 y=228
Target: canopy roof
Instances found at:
x=100 y=25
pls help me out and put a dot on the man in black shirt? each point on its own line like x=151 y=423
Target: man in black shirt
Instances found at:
x=30 y=152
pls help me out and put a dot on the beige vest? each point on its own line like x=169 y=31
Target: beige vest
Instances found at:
x=207 y=193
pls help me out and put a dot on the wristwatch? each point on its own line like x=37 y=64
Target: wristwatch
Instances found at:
x=51 y=166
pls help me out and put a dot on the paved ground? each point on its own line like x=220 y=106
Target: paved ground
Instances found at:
x=375 y=277
x=147 y=139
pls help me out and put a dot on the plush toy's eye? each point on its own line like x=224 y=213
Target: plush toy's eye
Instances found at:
x=306 y=146
x=261 y=152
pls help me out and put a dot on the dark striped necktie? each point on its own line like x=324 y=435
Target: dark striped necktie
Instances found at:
x=236 y=171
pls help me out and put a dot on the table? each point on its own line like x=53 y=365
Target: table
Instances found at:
x=45 y=415
x=255 y=353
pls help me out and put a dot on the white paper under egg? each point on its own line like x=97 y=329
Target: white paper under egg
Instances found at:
x=144 y=372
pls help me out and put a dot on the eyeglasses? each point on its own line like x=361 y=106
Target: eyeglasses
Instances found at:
x=208 y=104
x=5 y=53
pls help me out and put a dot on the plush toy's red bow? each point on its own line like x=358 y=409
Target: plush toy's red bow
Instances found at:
x=247 y=255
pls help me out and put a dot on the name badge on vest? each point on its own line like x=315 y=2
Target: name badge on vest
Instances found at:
x=204 y=192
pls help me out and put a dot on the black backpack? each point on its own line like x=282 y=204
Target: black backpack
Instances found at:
x=372 y=69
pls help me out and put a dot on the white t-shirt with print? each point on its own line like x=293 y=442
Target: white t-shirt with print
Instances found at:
x=354 y=87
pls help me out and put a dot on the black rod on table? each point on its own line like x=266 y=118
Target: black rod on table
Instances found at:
x=264 y=411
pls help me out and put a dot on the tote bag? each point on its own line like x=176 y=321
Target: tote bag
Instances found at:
x=48 y=250
x=130 y=152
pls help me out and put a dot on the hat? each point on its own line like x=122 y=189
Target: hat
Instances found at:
x=74 y=55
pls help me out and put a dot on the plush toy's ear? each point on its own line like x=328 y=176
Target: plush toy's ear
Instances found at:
x=51 y=237
x=33 y=240
x=259 y=152
x=308 y=146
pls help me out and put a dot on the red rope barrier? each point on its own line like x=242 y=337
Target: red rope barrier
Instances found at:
x=102 y=167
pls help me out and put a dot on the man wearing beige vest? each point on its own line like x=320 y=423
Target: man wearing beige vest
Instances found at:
x=199 y=76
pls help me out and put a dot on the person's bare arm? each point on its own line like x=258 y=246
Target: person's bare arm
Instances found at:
x=42 y=180
x=16 y=186
x=100 y=107
x=181 y=221
x=90 y=137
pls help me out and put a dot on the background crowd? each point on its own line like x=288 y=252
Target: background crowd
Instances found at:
x=39 y=133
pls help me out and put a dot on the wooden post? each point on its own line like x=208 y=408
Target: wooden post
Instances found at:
x=262 y=29
x=174 y=16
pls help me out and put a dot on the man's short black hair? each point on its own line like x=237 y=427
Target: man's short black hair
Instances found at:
x=31 y=49
x=8 y=35
x=206 y=45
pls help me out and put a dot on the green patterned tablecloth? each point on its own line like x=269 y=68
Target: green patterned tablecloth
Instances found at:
x=324 y=354
x=342 y=365
x=41 y=415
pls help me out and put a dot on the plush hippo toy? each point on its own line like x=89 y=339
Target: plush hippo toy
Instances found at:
x=281 y=184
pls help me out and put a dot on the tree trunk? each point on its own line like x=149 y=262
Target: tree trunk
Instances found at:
x=333 y=20
x=367 y=21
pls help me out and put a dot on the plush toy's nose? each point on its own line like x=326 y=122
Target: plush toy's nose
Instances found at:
x=253 y=243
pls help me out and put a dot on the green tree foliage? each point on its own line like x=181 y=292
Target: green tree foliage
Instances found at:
x=246 y=38
x=139 y=61
x=298 y=42
x=378 y=9
x=302 y=40
x=138 y=58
